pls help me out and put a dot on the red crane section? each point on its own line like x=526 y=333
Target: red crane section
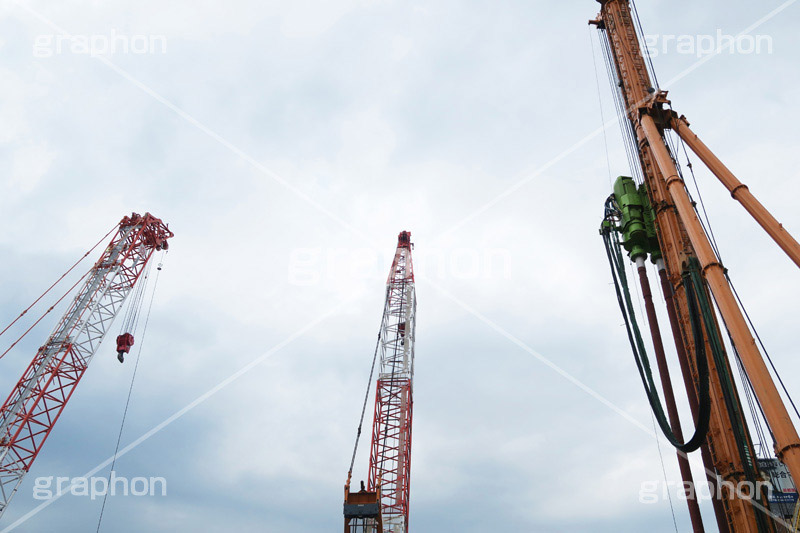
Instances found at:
x=390 y=452
x=38 y=399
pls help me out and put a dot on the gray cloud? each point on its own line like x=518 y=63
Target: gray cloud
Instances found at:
x=393 y=116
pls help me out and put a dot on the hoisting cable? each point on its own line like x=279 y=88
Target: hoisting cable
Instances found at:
x=736 y=417
x=710 y=231
x=49 y=309
x=130 y=389
x=65 y=274
x=131 y=318
x=695 y=287
x=616 y=262
x=756 y=411
x=602 y=114
x=631 y=147
x=130 y=322
x=763 y=348
x=369 y=387
x=664 y=471
x=752 y=400
x=643 y=40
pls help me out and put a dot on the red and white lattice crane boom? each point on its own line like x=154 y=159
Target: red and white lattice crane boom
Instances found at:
x=382 y=506
x=38 y=399
x=390 y=455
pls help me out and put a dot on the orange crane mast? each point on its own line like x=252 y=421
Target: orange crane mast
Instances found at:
x=680 y=241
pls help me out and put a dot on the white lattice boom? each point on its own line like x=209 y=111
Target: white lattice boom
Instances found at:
x=38 y=399
x=390 y=455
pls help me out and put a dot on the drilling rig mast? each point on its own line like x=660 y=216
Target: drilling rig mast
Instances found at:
x=38 y=399
x=383 y=506
x=692 y=273
x=683 y=252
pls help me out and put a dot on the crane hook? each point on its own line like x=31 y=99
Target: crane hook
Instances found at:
x=124 y=343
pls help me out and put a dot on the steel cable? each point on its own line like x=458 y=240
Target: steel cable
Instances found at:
x=130 y=391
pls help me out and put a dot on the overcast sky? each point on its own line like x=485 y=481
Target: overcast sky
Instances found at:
x=287 y=144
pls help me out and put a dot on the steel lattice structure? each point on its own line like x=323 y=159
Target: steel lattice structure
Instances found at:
x=390 y=455
x=38 y=399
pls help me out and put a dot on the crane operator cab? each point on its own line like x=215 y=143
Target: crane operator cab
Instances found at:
x=124 y=343
x=362 y=511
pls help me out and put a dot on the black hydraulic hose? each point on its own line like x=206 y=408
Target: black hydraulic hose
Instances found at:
x=693 y=279
x=704 y=396
x=616 y=263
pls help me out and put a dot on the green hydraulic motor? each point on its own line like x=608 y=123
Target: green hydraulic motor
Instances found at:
x=638 y=220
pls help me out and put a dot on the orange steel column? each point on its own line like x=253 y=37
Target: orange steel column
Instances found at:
x=637 y=90
x=786 y=437
x=738 y=190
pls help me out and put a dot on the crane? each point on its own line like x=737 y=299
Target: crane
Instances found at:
x=651 y=215
x=382 y=506
x=31 y=410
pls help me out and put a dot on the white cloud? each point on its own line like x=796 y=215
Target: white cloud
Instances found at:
x=392 y=117
x=31 y=163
